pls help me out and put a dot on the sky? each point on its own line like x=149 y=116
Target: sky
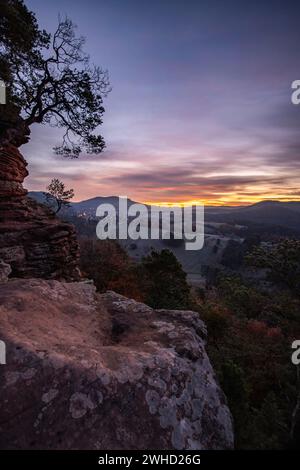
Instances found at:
x=200 y=107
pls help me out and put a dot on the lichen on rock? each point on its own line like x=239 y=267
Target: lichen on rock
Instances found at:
x=95 y=386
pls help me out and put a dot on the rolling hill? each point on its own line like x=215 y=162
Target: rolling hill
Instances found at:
x=269 y=213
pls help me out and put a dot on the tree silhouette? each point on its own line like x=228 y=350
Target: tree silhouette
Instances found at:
x=167 y=285
x=58 y=195
x=49 y=80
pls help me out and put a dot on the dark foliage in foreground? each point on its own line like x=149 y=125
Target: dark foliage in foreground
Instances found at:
x=158 y=280
x=250 y=333
x=167 y=285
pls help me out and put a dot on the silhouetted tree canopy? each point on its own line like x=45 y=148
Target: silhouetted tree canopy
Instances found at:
x=283 y=262
x=57 y=195
x=50 y=80
x=167 y=284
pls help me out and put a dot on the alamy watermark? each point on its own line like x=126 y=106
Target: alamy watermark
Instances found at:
x=295 y=97
x=296 y=353
x=139 y=221
x=2 y=352
x=2 y=92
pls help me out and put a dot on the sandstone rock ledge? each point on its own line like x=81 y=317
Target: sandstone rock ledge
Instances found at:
x=33 y=241
x=91 y=371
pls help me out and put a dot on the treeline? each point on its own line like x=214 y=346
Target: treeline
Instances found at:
x=158 y=280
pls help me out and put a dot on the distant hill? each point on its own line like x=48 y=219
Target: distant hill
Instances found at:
x=89 y=206
x=86 y=208
x=269 y=213
x=39 y=196
x=284 y=214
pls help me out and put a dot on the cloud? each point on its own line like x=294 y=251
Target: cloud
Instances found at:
x=200 y=107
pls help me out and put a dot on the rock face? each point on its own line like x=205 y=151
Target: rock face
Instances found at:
x=91 y=371
x=32 y=240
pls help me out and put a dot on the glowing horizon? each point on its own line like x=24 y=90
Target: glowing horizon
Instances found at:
x=218 y=203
